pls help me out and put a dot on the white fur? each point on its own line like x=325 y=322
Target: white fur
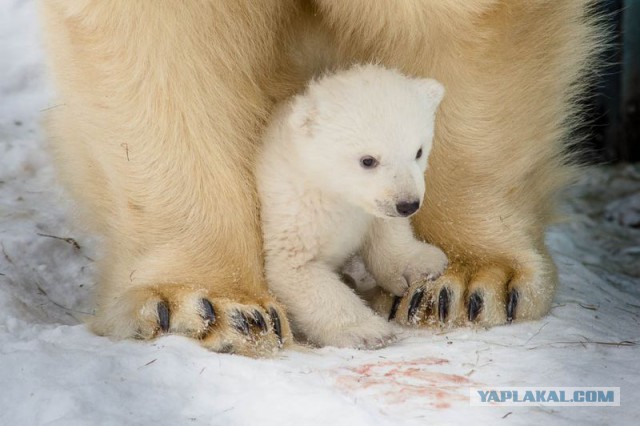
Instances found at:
x=320 y=206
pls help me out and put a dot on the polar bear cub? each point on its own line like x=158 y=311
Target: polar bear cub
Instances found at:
x=341 y=170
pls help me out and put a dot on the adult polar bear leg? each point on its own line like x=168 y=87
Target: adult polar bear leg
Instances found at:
x=160 y=105
x=510 y=70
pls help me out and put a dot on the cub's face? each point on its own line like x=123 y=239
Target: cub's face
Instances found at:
x=366 y=137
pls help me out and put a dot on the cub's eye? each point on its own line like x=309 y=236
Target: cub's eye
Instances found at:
x=419 y=154
x=368 y=162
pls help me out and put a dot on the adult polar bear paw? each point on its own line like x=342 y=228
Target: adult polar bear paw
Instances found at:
x=486 y=295
x=245 y=326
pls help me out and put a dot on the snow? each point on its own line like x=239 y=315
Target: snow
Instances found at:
x=53 y=371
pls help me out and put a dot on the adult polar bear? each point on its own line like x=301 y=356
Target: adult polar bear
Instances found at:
x=162 y=104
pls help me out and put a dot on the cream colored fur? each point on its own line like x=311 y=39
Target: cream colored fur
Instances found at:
x=320 y=204
x=161 y=106
x=512 y=70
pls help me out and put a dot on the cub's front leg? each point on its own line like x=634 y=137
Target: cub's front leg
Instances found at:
x=324 y=309
x=397 y=259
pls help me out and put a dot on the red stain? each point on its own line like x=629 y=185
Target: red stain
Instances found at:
x=413 y=381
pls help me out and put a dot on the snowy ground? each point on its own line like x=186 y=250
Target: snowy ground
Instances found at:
x=53 y=371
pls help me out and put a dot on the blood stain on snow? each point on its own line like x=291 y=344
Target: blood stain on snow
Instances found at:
x=399 y=382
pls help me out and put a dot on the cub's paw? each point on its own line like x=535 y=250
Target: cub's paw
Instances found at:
x=373 y=333
x=426 y=263
x=243 y=326
x=485 y=295
x=422 y=263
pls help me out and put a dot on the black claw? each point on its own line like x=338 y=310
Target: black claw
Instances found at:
x=443 y=304
x=512 y=303
x=475 y=306
x=208 y=313
x=414 y=303
x=239 y=321
x=163 y=316
x=275 y=321
x=394 y=307
x=226 y=349
x=258 y=319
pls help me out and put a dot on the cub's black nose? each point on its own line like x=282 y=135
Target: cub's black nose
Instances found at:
x=405 y=208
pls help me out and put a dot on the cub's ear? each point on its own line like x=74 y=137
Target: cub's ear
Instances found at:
x=431 y=88
x=302 y=115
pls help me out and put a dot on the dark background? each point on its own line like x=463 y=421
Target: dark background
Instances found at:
x=612 y=127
